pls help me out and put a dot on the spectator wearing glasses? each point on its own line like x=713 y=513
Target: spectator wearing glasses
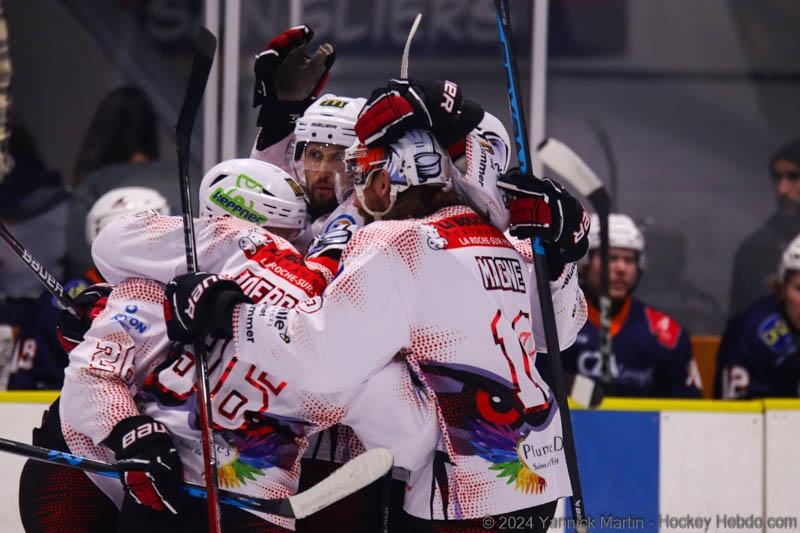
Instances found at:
x=761 y=250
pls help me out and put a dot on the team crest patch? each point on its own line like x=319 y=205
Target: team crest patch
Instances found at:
x=774 y=332
x=665 y=329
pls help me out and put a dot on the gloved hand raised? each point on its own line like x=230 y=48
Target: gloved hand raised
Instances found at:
x=70 y=329
x=200 y=304
x=142 y=443
x=545 y=208
x=288 y=81
x=403 y=105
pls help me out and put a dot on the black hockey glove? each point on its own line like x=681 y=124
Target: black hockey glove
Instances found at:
x=70 y=329
x=145 y=445
x=201 y=304
x=545 y=208
x=403 y=105
x=288 y=81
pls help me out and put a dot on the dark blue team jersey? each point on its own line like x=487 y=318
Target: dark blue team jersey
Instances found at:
x=39 y=360
x=651 y=354
x=758 y=355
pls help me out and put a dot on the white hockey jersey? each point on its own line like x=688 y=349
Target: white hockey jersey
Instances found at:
x=452 y=293
x=263 y=421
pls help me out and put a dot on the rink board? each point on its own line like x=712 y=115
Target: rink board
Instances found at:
x=641 y=467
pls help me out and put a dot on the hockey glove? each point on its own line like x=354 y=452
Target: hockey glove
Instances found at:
x=403 y=105
x=70 y=329
x=288 y=81
x=545 y=208
x=142 y=443
x=200 y=304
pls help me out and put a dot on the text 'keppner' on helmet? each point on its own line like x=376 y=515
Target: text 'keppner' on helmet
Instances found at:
x=122 y=201
x=622 y=233
x=415 y=159
x=255 y=191
x=323 y=132
x=790 y=260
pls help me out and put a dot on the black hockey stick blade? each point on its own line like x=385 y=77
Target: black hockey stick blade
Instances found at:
x=205 y=48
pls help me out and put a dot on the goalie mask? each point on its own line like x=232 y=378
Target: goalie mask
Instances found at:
x=416 y=159
x=486 y=158
x=322 y=134
x=255 y=191
x=622 y=233
x=121 y=201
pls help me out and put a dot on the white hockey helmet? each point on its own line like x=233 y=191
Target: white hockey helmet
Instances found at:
x=487 y=157
x=330 y=121
x=622 y=233
x=121 y=201
x=790 y=260
x=256 y=191
x=415 y=159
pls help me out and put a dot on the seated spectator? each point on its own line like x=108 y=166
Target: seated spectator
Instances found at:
x=651 y=352
x=33 y=204
x=757 y=256
x=120 y=150
x=758 y=356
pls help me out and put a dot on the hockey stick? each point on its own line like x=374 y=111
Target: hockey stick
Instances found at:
x=347 y=479
x=577 y=173
x=47 y=279
x=540 y=266
x=198 y=78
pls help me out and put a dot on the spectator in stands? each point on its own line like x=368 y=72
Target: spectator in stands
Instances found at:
x=120 y=149
x=33 y=204
x=651 y=352
x=758 y=356
x=760 y=252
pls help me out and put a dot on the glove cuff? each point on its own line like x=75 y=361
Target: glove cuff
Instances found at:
x=135 y=433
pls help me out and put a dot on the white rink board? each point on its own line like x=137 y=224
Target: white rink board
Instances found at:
x=17 y=420
x=782 y=468
x=711 y=465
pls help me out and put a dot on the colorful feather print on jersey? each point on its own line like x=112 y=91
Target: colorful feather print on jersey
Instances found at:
x=499 y=445
x=483 y=418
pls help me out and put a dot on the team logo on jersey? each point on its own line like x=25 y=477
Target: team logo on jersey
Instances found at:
x=253 y=241
x=435 y=240
x=663 y=327
x=341 y=221
x=774 y=332
x=501 y=274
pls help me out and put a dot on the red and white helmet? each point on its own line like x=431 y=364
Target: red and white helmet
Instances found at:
x=121 y=201
x=415 y=159
x=486 y=158
x=622 y=233
x=790 y=260
x=256 y=191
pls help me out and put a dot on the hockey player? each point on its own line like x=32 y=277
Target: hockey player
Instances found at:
x=121 y=383
x=433 y=279
x=50 y=495
x=304 y=133
x=759 y=356
x=651 y=352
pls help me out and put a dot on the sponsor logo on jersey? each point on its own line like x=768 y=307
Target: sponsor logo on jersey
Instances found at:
x=130 y=322
x=235 y=207
x=501 y=274
x=663 y=327
x=263 y=290
x=469 y=229
x=333 y=103
x=774 y=332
